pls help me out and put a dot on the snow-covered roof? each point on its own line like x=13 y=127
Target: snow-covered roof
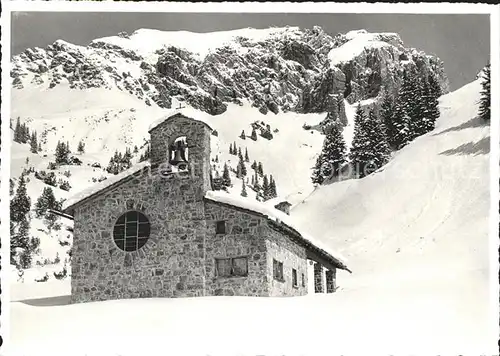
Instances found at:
x=273 y=214
x=96 y=188
x=191 y=113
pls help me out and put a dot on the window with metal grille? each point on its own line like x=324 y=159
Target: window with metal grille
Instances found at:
x=278 y=270
x=232 y=266
x=131 y=231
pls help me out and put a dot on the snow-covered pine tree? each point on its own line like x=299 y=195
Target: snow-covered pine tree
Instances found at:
x=377 y=140
x=256 y=185
x=243 y=167
x=243 y=189
x=485 y=100
x=20 y=204
x=230 y=148
x=226 y=178
x=242 y=135
x=434 y=86
x=260 y=169
x=254 y=165
x=81 y=147
x=62 y=153
x=39 y=147
x=240 y=155
x=333 y=152
x=360 y=155
x=239 y=173
x=272 y=187
x=45 y=201
x=33 y=143
x=247 y=159
x=386 y=113
x=17 y=131
x=317 y=174
x=266 y=194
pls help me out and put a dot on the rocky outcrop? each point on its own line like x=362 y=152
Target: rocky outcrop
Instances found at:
x=293 y=70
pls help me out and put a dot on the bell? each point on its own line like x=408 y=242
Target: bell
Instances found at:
x=178 y=159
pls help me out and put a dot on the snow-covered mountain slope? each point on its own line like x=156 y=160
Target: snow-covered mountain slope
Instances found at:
x=276 y=69
x=426 y=210
x=415 y=233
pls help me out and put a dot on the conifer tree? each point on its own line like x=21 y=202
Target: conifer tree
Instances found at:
x=272 y=187
x=256 y=185
x=359 y=155
x=39 y=146
x=317 y=174
x=253 y=180
x=243 y=136
x=247 y=159
x=386 y=117
x=265 y=188
x=243 y=168
x=435 y=88
x=243 y=189
x=17 y=131
x=240 y=155
x=485 y=100
x=81 y=147
x=239 y=174
x=33 y=143
x=254 y=165
x=333 y=155
x=226 y=178
x=20 y=204
x=400 y=123
x=46 y=201
x=377 y=142
x=260 y=169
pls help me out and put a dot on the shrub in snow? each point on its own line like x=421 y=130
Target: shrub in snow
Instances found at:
x=96 y=165
x=75 y=161
x=64 y=185
x=43 y=278
x=61 y=274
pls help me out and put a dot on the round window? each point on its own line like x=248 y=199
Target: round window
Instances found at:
x=131 y=231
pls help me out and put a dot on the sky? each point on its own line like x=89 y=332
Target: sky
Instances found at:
x=461 y=41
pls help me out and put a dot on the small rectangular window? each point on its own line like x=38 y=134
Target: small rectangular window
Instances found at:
x=223 y=266
x=220 y=227
x=240 y=266
x=278 y=270
x=303 y=280
x=228 y=267
x=294 y=277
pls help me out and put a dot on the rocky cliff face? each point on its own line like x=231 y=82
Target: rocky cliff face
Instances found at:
x=283 y=69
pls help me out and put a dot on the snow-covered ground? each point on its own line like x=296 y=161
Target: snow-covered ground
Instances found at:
x=415 y=235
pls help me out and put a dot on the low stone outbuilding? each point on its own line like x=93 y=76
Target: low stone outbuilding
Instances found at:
x=159 y=230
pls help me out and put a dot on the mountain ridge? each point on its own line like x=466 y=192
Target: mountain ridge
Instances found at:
x=276 y=69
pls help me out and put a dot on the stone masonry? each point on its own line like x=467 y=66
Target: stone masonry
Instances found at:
x=178 y=259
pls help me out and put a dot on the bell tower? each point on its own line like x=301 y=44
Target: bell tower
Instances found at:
x=180 y=149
